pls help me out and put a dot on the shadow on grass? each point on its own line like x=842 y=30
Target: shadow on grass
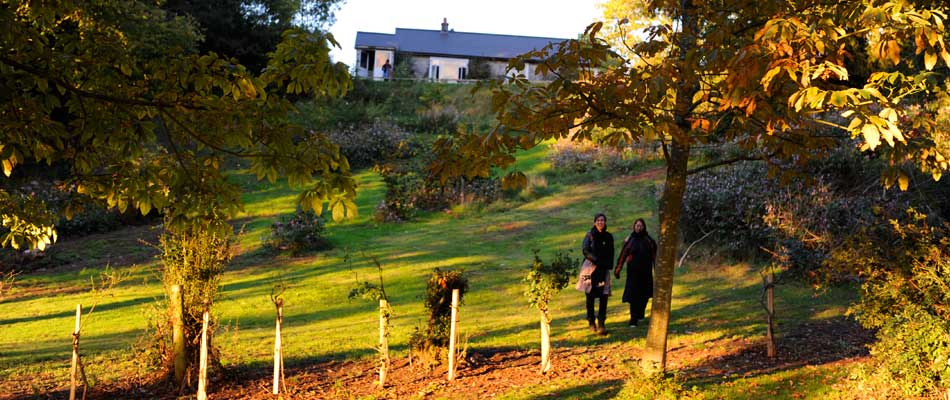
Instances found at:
x=810 y=343
x=596 y=390
x=65 y=314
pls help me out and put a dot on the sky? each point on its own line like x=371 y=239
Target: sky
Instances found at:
x=545 y=18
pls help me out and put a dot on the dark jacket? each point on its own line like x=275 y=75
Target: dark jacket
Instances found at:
x=599 y=249
x=639 y=253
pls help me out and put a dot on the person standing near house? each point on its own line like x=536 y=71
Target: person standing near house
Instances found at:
x=639 y=253
x=598 y=248
x=387 y=70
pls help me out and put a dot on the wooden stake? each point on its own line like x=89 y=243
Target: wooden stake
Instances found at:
x=452 y=333
x=770 y=310
x=75 y=365
x=545 y=342
x=178 y=335
x=203 y=362
x=383 y=341
x=278 y=349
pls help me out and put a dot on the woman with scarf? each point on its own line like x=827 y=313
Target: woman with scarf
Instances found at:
x=599 y=249
x=639 y=253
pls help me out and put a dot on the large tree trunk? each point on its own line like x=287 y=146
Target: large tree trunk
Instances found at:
x=671 y=202
x=671 y=205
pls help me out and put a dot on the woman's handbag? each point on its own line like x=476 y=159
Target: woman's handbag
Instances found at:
x=583 y=279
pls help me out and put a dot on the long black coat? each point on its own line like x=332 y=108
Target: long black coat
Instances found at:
x=641 y=252
x=599 y=249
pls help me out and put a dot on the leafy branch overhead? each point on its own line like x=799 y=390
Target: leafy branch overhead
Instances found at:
x=772 y=78
x=151 y=129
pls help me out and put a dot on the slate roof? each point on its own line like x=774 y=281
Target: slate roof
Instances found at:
x=377 y=40
x=463 y=44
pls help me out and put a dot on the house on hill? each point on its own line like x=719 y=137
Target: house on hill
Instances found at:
x=445 y=55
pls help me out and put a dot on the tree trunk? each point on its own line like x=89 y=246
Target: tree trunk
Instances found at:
x=178 y=335
x=671 y=205
x=545 y=342
x=671 y=202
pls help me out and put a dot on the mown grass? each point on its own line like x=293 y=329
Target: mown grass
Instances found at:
x=493 y=244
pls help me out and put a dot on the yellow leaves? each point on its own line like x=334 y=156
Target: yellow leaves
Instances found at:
x=7 y=167
x=838 y=98
x=514 y=180
x=874 y=128
x=930 y=60
x=811 y=98
x=767 y=78
x=145 y=205
x=701 y=123
x=903 y=181
x=872 y=136
x=892 y=51
x=342 y=209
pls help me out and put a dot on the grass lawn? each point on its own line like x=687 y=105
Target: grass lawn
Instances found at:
x=494 y=246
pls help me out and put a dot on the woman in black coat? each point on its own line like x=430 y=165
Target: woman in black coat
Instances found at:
x=599 y=249
x=639 y=253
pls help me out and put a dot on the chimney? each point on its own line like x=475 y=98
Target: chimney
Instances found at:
x=445 y=25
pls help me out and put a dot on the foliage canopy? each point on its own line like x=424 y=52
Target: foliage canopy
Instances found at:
x=114 y=90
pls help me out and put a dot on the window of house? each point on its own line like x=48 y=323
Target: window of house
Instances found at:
x=434 y=72
x=463 y=72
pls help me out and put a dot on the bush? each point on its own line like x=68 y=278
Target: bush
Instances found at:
x=194 y=258
x=905 y=297
x=579 y=157
x=802 y=222
x=416 y=107
x=430 y=343
x=299 y=233
x=366 y=145
x=410 y=189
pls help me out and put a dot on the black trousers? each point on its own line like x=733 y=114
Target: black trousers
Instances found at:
x=638 y=308
x=595 y=293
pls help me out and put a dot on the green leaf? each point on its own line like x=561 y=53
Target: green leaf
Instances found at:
x=838 y=99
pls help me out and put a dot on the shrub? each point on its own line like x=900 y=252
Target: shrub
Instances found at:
x=579 y=157
x=905 y=297
x=299 y=233
x=429 y=344
x=410 y=189
x=414 y=106
x=804 y=221
x=194 y=258
x=366 y=145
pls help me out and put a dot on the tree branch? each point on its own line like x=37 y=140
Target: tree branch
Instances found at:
x=730 y=161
